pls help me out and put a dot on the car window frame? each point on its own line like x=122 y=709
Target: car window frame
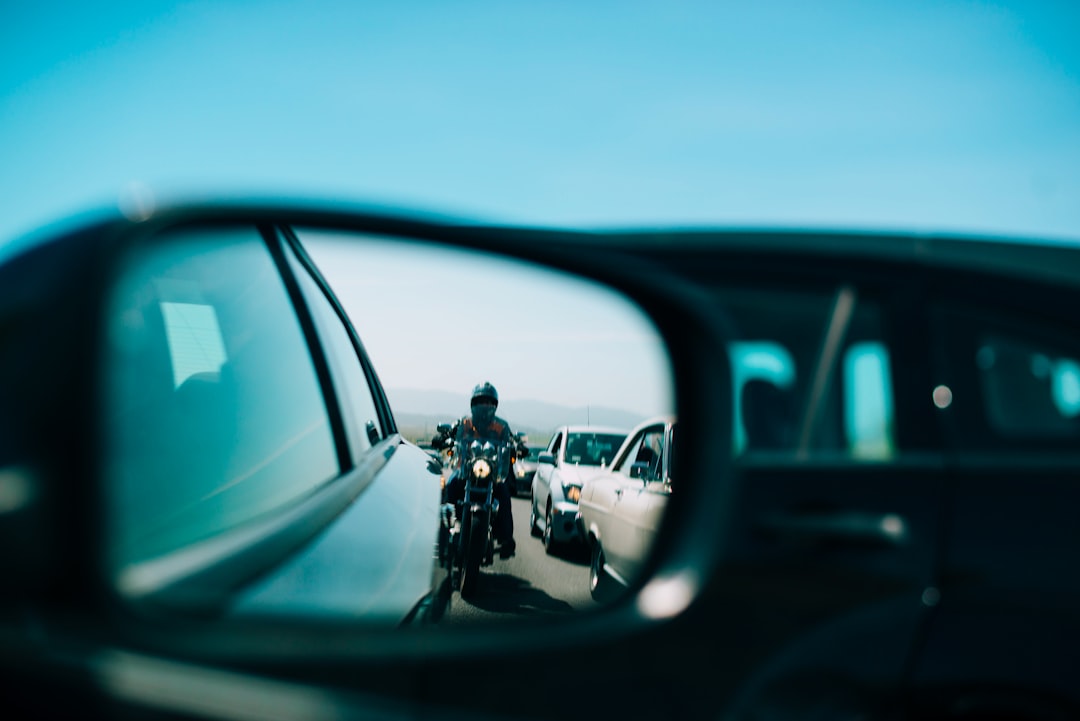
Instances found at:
x=341 y=385
x=669 y=445
x=388 y=425
x=631 y=444
x=555 y=447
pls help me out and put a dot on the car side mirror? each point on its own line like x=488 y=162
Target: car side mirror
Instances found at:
x=639 y=470
x=230 y=387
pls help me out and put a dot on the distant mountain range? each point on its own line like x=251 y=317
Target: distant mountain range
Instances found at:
x=418 y=412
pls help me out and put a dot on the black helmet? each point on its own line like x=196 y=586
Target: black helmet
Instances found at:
x=484 y=391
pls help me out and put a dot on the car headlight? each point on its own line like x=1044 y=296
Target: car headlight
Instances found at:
x=573 y=493
x=519 y=471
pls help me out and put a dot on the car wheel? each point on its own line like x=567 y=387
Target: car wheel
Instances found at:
x=549 y=537
x=601 y=585
x=534 y=518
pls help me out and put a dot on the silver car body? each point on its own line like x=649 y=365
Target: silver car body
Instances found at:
x=621 y=509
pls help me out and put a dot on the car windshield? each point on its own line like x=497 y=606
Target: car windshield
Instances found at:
x=592 y=449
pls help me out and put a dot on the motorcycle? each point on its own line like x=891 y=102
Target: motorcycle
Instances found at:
x=469 y=540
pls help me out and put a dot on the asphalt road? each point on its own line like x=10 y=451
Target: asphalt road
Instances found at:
x=529 y=585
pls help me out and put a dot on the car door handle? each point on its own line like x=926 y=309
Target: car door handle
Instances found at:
x=852 y=527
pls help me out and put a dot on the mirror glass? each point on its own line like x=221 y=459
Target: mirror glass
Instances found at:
x=250 y=464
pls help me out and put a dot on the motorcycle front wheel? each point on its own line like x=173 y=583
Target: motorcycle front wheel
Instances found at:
x=474 y=555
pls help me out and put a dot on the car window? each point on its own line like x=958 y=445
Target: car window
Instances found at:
x=556 y=443
x=351 y=384
x=214 y=415
x=1016 y=385
x=1029 y=388
x=643 y=457
x=811 y=372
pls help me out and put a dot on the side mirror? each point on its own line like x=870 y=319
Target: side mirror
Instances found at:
x=639 y=470
x=443 y=428
x=235 y=445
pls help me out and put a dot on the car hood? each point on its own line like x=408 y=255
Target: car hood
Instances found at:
x=577 y=475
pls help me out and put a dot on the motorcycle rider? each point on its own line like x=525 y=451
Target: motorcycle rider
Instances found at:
x=483 y=424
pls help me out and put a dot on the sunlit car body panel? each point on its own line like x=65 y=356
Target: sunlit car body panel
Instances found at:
x=363 y=565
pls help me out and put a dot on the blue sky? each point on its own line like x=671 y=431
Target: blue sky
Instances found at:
x=453 y=321
x=952 y=116
x=959 y=117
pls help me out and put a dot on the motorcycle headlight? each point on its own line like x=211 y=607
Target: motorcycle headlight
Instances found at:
x=481 y=468
x=573 y=493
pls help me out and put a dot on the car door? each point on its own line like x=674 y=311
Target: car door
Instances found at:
x=832 y=533
x=659 y=489
x=1005 y=631
x=632 y=524
x=598 y=497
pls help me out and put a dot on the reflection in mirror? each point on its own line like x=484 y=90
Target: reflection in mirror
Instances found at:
x=251 y=463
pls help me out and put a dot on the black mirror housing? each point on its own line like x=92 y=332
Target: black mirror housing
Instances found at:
x=49 y=326
x=58 y=307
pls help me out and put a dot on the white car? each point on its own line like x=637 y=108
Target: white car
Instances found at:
x=622 y=508
x=574 y=454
